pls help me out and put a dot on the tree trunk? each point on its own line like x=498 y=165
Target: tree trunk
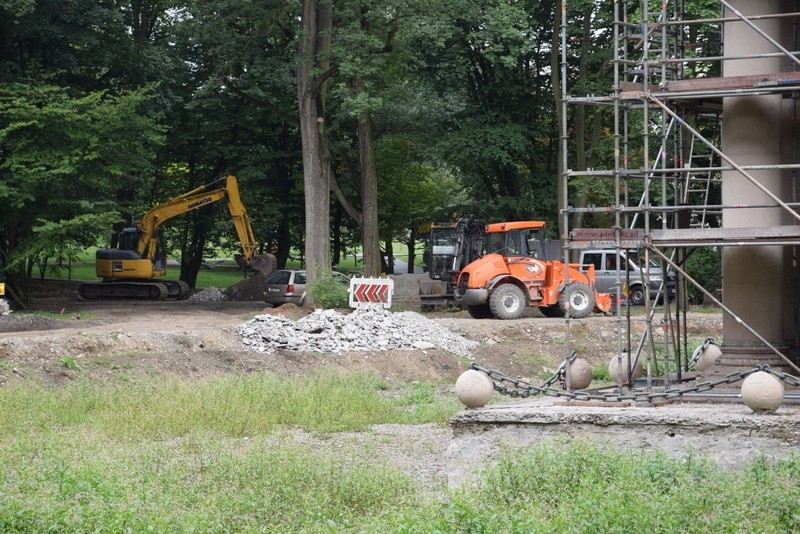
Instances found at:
x=369 y=193
x=555 y=81
x=314 y=45
x=337 y=235
x=412 y=249
x=192 y=257
x=389 y=256
x=580 y=113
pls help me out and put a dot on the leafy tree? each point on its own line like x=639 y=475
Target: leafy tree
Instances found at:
x=61 y=156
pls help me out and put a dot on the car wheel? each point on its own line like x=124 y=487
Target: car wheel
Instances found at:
x=507 y=302
x=578 y=298
x=637 y=295
x=480 y=311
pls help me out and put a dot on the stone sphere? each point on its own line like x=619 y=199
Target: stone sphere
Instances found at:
x=612 y=368
x=474 y=388
x=708 y=358
x=580 y=374
x=762 y=392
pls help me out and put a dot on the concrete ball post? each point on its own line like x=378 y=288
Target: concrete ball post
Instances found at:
x=613 y=369
x=474 y=388
x=708 y=358
x=762 y=392
x=580 y=374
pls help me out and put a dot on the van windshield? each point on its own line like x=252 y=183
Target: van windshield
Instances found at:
x=639 y=259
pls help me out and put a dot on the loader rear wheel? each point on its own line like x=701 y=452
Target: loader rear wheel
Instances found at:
x=578 y=298
x=480 y=311
x=507 y=302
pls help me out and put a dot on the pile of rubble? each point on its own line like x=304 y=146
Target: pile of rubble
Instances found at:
x=365 y=329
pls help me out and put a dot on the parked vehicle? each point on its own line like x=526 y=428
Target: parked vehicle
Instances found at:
x=515 y=272
x=604 y=263
x=449 y=247
x=289 y=286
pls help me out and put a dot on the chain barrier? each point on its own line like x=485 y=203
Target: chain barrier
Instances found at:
x=698 y=352
x=519 y=388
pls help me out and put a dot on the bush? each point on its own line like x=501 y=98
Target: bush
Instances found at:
x=705 y=266
x=327 y=292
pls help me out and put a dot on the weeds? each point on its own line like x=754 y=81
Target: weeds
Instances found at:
x=232 y=405
x=168 y=456
x=70 y=363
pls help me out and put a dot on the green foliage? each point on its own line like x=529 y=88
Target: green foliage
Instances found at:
x=601 y=373
x=63 y=155
x=327 y=292
x=705 y=266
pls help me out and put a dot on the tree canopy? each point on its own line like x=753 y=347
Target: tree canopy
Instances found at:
x=348 y=122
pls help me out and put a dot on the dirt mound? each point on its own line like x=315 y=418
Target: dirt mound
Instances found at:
x=17 y=322
x=251 y=289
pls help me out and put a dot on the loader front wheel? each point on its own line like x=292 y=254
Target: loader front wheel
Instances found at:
x=507 y=302
x=578 y=298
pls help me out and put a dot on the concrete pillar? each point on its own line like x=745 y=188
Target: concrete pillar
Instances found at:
x=757 y=281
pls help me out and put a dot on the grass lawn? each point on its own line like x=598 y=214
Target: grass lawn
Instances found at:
x=214 y=455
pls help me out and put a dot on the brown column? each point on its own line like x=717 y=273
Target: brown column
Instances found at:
x=757 y=281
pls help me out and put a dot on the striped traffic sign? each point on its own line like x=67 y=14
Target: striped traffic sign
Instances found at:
x=371 y=291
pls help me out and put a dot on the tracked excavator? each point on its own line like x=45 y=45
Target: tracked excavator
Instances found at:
x=132 y=270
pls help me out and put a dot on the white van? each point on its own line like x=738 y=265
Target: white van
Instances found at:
x=605 y=265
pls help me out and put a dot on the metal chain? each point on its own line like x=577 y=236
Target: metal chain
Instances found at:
x=698 y=352
x=519 y=388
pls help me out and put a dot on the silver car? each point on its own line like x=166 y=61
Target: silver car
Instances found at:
x=289 y=286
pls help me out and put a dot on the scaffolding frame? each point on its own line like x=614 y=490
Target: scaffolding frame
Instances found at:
x=653 y=97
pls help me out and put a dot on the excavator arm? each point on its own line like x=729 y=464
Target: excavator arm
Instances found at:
x=224 y=188
x=127 y=271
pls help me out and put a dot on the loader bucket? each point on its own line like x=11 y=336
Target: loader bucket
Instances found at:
x=603 y=302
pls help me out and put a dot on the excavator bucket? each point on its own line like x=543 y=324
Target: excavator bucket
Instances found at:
x=264 y=263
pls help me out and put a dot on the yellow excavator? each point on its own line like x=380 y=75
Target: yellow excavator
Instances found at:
x=131 y=270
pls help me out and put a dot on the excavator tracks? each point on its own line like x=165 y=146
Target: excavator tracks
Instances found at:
x=145 y=290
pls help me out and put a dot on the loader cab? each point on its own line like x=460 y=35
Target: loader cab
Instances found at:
x=523 y=239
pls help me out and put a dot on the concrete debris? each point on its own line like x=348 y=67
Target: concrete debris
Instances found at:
x=365 y=329
x=210 y=294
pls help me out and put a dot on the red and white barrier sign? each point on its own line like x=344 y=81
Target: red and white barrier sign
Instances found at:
x=371 y=291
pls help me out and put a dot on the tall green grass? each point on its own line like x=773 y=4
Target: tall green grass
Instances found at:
x=79 y=482
x=232 y=405
x=581 y=487
x=52 y=482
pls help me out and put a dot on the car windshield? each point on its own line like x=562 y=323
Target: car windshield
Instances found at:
x=279 y=277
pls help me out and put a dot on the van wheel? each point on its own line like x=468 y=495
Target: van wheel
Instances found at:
x=636 y=295
x=480 y=311
x=507 y=302
x=579 y=298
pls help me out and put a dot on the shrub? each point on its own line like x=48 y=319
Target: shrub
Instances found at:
x=705 y=266
x=327 y=292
